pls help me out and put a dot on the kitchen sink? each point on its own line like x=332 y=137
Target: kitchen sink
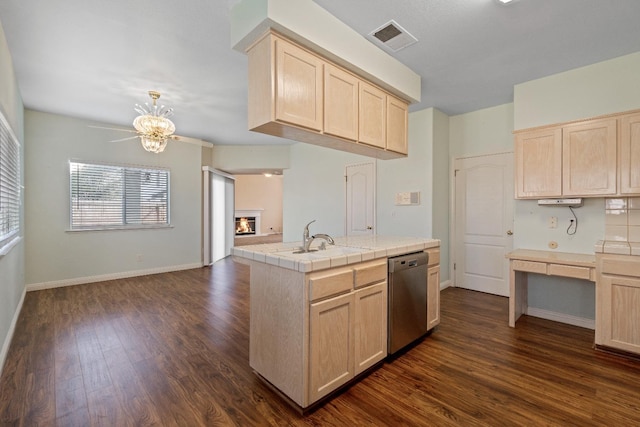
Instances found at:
x=315 y=253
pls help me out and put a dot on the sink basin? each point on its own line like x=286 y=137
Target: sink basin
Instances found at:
x=330 y=252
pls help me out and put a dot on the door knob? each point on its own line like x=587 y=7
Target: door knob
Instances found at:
x=509 y=233
x=369 y=227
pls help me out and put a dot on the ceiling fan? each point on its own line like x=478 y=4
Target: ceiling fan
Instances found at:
x=152 y=126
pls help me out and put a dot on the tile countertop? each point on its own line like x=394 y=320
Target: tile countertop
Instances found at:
x=347 y=250
x=617 y=247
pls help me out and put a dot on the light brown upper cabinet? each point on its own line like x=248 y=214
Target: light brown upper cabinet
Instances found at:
x=383 y=119
x=397 y=124
x=630 y=154
x=373 y=115
x=589 y=157
x=284 y=86
x=340 y=103
x=298 y=85
x=539 y=163
x=296 y=94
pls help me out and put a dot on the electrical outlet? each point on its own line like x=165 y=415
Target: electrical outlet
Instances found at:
x=553 y=222
x=139 y=258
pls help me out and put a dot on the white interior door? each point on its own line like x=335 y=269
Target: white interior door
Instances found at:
x=483 y=222
x=361 y=193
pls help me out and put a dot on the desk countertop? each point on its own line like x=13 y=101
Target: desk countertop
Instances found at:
x=566 y=258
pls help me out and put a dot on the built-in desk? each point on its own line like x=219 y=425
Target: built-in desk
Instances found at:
x=523 y=261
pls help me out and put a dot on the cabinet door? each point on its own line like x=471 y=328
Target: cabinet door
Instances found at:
x=371 y=326
x=630 y=154
x=298 y=86
x=433 y=297
x=331 y=365
x=340 y=103
x=539 y=163
x=618 y=313
x=372 y=116
x=589 y=161
x=397 y=116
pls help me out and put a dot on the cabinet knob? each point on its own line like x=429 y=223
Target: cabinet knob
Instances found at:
x=509 y=233
x=369 y=227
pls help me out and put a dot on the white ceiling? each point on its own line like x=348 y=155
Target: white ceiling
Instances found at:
x=95 y=59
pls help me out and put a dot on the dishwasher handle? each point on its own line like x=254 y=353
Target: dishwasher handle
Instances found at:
x=407 y=261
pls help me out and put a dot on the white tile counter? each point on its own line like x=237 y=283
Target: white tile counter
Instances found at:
x=347 y=250
x=617 y=247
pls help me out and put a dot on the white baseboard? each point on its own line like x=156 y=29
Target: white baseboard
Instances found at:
x=112 y=276
x=10 y=332
x=561 y=317
x=445 y=284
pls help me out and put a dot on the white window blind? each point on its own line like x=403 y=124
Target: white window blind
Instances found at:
x=106 y=196
x=9 y=184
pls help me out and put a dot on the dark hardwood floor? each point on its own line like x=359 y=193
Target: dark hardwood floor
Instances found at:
x=173 y=349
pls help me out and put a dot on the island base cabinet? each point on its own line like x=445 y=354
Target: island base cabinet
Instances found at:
x=433 y=288
x=277 y=330
x=370 y=326
x=312 y=333
x=433 y=297
x=331 y=344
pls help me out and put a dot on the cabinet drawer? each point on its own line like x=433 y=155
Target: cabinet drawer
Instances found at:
x=529 y=266
x=370 y=273
x=570 y=271
x=324 y=285
x=621 y=267
x=434 y=256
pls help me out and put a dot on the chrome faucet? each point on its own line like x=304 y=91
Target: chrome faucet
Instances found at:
x=327 y=239
x=306 y=239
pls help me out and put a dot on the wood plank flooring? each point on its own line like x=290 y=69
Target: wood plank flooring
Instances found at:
x=173 y=349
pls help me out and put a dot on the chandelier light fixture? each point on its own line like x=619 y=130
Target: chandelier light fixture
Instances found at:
x=153 y=124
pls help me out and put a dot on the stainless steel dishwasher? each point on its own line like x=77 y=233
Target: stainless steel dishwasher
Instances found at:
x=407 y=300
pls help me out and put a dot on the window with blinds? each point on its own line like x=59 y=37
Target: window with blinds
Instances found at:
x=107 y=196
x=9 y=184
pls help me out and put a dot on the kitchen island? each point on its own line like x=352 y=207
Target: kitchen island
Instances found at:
x=319 y=319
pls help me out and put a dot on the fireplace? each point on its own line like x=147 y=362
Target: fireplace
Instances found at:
x=247 y=222
x=245 y=225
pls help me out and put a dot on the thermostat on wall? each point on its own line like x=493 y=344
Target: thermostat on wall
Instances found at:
x=408 y=198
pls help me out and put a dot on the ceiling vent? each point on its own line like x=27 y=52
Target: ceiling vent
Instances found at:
x=393 y=36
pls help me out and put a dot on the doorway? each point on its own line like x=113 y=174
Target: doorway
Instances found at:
x=218 y=214
x=483 y=215
x=360 y=181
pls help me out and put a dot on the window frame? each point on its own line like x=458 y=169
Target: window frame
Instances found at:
x=12 y=193
x=123 y=225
